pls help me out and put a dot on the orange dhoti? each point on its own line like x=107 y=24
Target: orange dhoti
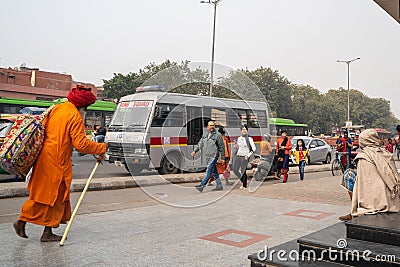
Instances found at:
x=46 y=215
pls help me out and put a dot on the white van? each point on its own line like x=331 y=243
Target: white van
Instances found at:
x=157 y=129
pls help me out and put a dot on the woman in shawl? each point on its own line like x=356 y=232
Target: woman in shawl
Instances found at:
x=377 y=185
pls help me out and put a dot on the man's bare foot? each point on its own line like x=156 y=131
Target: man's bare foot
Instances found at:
x=19 y=227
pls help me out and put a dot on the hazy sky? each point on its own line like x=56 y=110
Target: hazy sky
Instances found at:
x=302 y=39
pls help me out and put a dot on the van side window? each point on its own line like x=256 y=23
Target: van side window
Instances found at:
x=170 y=116
x=252 y=119
x=216 y=114
x=232 y=119
x=242 y=115
x=219 y=116
x=262 y=118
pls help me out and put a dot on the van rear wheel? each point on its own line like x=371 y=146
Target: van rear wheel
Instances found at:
x=170 y=164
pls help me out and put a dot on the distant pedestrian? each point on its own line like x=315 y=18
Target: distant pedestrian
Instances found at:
x=211 y=145
x=99 y=134
x=264 y=164
x=301 y=153
x=283 y=148
x=345 y=144
x=245 y=147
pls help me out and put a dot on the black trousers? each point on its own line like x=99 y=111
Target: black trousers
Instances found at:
x=239 y=169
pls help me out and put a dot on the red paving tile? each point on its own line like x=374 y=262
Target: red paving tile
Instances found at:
x=254 y=238
x=318 y=214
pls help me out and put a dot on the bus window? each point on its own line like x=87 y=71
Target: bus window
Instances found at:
x=93 y=118
x=11 y=109
x=170 y=116
x=107 y=118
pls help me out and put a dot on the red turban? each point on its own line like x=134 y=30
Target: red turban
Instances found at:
x=81 y=96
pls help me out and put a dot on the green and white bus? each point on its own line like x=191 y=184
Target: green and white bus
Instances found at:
x=288 y=125
x=100 y=113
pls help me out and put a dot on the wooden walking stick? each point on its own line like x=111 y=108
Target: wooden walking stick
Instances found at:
x=80 y=200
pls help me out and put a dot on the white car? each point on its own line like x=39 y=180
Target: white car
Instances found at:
x=320 y=151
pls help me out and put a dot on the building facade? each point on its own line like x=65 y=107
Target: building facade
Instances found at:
x=34 y=84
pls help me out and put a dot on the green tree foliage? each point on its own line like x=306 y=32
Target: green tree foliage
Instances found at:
x=275 y=88
x=302 y=103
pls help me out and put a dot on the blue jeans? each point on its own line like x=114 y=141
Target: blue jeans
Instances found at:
x=99 y=138
x=212 y=169
x=302 y=164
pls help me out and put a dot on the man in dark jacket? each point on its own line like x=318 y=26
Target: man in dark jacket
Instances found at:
x=211 y=145
x=100 y=134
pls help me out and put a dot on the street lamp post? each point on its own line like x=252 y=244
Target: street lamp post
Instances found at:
x=215 y=3
x=348 y=84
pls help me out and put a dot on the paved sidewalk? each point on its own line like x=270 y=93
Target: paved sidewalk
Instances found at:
x=18 y=189
x=220 y=234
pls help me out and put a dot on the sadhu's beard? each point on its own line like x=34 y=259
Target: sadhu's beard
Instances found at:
x=82 y=110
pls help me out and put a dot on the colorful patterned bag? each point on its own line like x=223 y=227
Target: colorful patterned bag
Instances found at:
x=23 y=143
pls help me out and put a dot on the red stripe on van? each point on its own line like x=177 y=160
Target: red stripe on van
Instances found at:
x=172 y=140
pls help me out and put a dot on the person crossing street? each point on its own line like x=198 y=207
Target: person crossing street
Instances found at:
x=211 y=146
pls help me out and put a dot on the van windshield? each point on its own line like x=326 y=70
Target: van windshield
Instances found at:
x=131 y=116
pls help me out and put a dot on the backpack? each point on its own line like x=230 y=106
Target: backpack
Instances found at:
x=23 y=143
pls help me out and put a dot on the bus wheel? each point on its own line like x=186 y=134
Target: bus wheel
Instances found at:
x=133 y=169
x=170 y=164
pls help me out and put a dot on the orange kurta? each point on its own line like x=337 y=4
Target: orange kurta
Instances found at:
x=49 y=186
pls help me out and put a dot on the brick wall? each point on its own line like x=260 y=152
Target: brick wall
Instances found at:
x=17 y=83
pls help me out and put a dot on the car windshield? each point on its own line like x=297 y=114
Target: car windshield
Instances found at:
x=294 y=141
x=132 y=116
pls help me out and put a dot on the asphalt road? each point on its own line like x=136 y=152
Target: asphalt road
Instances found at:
x=99 y=201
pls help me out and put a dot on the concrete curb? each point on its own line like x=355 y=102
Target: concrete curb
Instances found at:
x=18 y=189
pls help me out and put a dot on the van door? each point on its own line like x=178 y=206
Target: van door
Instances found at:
x=194 y=128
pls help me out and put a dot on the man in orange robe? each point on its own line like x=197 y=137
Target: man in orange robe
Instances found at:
x=49 y=186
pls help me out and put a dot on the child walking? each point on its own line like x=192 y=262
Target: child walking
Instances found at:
x=301 y=153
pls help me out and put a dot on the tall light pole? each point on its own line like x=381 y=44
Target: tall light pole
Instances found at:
x=348 y=84
x=215 y=3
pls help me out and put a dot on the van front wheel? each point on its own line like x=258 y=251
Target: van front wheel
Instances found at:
x=170 y=164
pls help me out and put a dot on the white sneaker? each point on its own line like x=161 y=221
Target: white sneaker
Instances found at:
x=241 y=187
